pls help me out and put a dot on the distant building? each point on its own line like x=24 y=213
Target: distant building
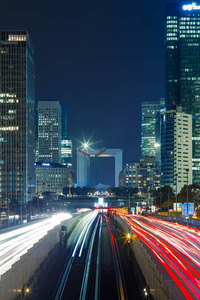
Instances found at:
x=49 y=131
x=17 y=104
x=54 y=151
x=149 y=112
x=149 y=174
x=83 y=163
x=183 y=67
x=51 y=177
x=144 y=175
x=131 y=174
x=66 y=152
x=121 y=179
x=176 y=146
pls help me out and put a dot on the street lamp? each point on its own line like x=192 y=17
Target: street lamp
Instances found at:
x=176 y=195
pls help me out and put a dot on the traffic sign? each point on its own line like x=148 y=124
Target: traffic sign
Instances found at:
x=179 y=206
x=187 y=208
x=194 y=215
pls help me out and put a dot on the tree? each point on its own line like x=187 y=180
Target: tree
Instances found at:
x=193 y=194
x=78 y=191
x=163 y=197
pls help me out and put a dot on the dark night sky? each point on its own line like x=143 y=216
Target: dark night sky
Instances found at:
x=100 y=58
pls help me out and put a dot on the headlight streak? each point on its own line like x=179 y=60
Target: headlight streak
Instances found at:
x=16 y=243
x=86 y=235
x=170 y=255
x=74 y=252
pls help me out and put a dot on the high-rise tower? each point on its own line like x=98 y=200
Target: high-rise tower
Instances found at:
x=183 y=67
x=149 y=112
x=49 y=131
x=17 y=105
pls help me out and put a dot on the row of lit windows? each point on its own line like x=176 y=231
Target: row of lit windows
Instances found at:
x=17 y=37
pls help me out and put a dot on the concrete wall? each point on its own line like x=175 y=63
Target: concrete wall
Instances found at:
x=158 y=287
x=13 y=281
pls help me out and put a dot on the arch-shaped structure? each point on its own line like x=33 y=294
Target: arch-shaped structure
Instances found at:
x=83 y=163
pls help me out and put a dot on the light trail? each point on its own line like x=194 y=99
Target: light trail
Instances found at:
x=14 y=244
x=89 y=225
x=94 y=214
x=177 y=249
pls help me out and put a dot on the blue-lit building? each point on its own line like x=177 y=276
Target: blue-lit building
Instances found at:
x=17 y=106
x=149 y=111
x=183 y=67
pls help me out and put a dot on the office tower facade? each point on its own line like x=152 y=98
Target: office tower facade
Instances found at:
x=176 y=147
x=130 y=174
x=149 y=112
x=49 y=131
x=183 y=67
x=66 y=143
x=144 y=175
x=66 y=152
x=17 y=106
x=51 y=177
x=158 y=132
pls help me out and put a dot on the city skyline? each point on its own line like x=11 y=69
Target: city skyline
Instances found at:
x=99 y=64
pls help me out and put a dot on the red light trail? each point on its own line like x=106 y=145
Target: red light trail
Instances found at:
x=177 y=248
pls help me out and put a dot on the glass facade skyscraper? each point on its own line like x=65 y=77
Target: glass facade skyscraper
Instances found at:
x=183 y=67
x=149 y=112
x=17 y=105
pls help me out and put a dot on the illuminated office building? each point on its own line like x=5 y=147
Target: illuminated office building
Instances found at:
x=54 y=150
x=66 y=152
x=49 y=131
x=144 y=175
x=183 y=67
x=51 y=177
x=17 y=106
x=149 y=112
x=176 y=147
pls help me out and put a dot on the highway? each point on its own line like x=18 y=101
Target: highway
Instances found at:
x=176 y=247
x=92 y=268
x=15 y=243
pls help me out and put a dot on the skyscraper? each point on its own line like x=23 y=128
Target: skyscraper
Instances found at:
x=49 y=131
x=176 y=146
x=183 y=67
x=54 y=149
x=17 y=105
x=149 y=111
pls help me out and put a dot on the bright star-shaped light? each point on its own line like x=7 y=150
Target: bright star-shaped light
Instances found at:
x=85 y=145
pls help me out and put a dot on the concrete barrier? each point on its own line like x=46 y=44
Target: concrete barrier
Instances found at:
x=14 y=281
x=159 y=289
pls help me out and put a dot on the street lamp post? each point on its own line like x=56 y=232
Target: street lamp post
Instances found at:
x=8 y=207
x=37 y=196
x=176 y=195
x=21 y=198
x=30 y=198
x=160 y=199
x=187 y=170
x=168 y=202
